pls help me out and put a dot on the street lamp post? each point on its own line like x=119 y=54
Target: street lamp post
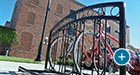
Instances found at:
x=40 y=49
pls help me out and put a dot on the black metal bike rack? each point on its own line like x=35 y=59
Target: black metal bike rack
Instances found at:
x=85 y=18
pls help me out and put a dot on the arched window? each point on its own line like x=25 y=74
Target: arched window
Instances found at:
x=26 y=41
x=31 y=18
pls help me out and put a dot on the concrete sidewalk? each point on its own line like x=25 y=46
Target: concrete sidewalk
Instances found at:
x=11 y=68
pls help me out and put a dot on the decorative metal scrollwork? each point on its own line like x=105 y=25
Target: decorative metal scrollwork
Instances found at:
x=63 y=36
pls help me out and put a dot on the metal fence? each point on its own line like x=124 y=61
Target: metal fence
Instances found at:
x=81 y=43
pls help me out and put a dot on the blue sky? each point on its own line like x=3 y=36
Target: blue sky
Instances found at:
x=132 y=12
x=132 y=15
x=6 y=10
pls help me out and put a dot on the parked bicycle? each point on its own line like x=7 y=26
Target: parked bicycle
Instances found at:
x=91 y=49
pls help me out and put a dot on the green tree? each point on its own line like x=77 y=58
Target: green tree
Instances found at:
x=7 y=36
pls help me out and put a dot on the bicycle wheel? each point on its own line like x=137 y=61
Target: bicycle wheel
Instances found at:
x=99 y=58
x=103 y=59
x=85 y=46
x=60 y=49
x=89 y=51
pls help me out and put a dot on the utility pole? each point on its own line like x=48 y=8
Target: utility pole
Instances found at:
x=40 y=49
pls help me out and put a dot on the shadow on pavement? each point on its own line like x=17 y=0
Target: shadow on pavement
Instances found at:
x=9 y=73
x=20 y=73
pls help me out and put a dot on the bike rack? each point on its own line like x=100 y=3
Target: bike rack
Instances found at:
x=71 y=27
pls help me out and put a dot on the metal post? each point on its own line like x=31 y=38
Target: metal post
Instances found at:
x=40 y=49
x=122 y=36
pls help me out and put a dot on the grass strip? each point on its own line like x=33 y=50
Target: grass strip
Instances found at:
x=16 y=59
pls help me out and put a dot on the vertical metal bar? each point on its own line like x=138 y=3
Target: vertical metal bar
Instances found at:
x=48 y=51
x=39 y=55
x=122 y=35
x=54 y=53
x=66 y=51
x=93 y=44
x=61 y=53
x=105 y=51
x=47 y=54
x=83 y=23
x=99 y=44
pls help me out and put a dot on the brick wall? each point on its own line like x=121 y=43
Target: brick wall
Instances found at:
x=29 y=30
x=29 y=33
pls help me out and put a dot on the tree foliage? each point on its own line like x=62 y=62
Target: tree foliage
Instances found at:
x=7 y=36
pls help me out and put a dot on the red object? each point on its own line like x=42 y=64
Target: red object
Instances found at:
x=135 y=62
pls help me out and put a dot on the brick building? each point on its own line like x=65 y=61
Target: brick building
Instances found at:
x=7 y=24
x=28 y=19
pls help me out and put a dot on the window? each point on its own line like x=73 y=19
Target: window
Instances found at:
x=26 y=40
x=71 y=30
x=59 y=9
x=31 y=18
x=108 y=29
x=73 y=16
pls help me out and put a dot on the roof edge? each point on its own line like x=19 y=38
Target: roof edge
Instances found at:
x=6 y=28
x=74 y=1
